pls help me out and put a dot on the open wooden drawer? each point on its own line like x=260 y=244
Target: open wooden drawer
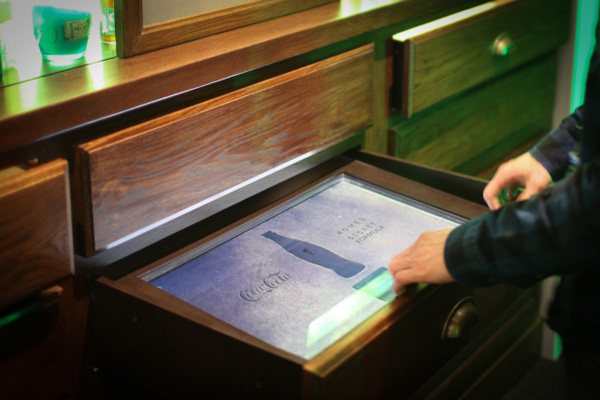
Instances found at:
x=436 y=61
x=281 y=325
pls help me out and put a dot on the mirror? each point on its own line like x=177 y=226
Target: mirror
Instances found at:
x=147 y=25
x=157 y=11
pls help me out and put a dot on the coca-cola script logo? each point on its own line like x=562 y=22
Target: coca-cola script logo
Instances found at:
x=268 y=284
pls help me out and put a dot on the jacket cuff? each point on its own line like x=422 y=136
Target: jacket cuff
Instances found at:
x=465 y=262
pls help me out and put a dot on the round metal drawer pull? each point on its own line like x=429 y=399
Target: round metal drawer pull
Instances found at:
x=503 y=45
x=463 y=316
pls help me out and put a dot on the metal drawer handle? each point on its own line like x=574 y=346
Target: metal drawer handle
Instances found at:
x=463 y=316
x=503 y=45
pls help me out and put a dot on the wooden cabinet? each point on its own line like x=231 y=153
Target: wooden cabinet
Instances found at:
x=478 y=85
x=162 y=152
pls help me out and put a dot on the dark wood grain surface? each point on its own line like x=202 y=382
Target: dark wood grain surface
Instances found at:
x=505 y=113
x=142 y=175
x=35 y=231
x=449 y=60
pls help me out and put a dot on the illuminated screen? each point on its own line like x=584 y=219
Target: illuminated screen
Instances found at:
x=308 y=272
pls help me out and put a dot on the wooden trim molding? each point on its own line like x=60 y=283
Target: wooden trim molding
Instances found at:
x=135 y=38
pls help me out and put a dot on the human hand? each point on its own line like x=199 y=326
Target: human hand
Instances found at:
x=421 y=262
x=524 y=171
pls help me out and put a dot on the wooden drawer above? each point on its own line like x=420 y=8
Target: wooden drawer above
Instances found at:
x=478 y=128
x=154 y=173
x=436 y=61
x=36 y=247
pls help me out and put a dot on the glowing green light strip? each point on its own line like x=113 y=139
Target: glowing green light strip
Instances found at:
x=14 y=316
x=587 y=14
x=328 y=322
x=336 y=316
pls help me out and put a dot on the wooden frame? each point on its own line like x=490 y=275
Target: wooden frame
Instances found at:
x=133 y=37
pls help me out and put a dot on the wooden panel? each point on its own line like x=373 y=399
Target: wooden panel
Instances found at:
x=35 y=231
x=473 y=131
x=135 y=37
x=32 y=357
x=446 y=61
x=491 y=365
x=394 y=363
x=510 y=367
x=150 y=172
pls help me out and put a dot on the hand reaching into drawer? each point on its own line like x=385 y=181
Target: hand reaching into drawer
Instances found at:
x=524 y=170
x=421 y=262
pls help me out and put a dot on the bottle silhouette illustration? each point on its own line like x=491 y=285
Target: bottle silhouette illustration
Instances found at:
x=316 y=255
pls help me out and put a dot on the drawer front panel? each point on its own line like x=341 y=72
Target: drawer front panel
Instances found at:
x=141 y=176
x=35 y=231
x=446 y=61
x=407 y=351
x=475 y=130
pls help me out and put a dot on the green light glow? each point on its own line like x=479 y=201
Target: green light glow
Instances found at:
x=14 y=316
x=97 y=76
x=8 y=319
x=587 y=14
x=586 y=19
x=379 y=287
x=336 y=317
x=329 y=327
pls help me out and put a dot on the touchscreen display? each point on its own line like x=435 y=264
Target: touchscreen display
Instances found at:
x=309 y=271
